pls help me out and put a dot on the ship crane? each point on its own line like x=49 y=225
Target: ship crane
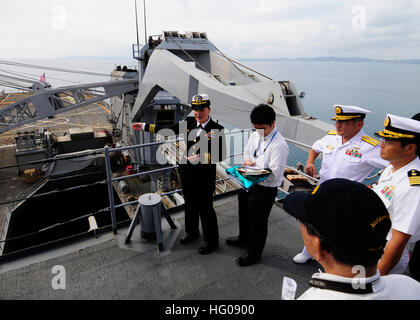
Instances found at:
x=183 y=65
x=173 y=68
x=50 y=102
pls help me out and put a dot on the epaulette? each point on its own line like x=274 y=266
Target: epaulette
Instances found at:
x=332 y=133
x=370 y=140
x=414 y=177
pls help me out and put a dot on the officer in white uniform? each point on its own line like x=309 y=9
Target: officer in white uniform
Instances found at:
x=399 y=189
x=344 y=225
x=346 y=153
x=350 y=155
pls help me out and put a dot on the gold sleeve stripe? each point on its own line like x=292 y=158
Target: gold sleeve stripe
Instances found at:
x=152 y=128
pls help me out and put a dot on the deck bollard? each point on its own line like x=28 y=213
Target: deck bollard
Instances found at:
x=151 y=227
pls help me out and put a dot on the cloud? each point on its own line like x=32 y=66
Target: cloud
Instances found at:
x=240 y=28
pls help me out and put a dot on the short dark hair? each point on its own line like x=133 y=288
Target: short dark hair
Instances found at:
x=263 y=114
x=367 y=259
x=416 y=141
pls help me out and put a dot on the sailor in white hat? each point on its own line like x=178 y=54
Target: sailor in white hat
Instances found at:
x=399 y=189
x=347 y=152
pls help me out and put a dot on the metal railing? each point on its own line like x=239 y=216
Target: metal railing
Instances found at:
x=111 y=179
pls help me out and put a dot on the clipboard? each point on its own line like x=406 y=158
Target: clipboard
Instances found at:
x=245 y=180
x=253 y=172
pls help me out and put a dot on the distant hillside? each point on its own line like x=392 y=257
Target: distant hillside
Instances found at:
x=340 y=59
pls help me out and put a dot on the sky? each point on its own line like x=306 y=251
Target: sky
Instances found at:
x=380 y=29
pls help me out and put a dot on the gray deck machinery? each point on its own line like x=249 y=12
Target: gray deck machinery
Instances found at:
x=174 y=67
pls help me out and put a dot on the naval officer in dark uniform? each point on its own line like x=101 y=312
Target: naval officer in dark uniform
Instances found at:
x=206 y=146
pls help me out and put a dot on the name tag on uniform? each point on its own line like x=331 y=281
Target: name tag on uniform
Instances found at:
x=355 y=153
x=328 y=149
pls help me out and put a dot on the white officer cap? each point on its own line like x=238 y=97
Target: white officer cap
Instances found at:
x=200 y=99
x=344 y=113
x=400 y=127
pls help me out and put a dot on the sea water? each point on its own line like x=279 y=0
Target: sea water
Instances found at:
x=381 y=87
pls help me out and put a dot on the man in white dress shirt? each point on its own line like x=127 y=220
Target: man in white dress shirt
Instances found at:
x=266 y=149
x=346 y=153
x=399 y=189
x=344 y=225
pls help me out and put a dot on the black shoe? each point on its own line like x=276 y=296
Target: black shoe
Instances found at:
x=207 y=248
x=236 y=242
x=247 y=260
x=187 y=238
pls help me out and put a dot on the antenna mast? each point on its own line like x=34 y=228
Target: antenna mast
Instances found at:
x=137 y=26
x=145 y=27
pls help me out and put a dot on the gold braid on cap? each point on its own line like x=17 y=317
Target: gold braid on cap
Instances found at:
x=399 y=135
x=392 y=134
x=343 y=118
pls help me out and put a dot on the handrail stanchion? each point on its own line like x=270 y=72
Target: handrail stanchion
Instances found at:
x=110 y=190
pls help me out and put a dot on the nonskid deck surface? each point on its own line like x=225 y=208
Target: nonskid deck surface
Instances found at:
x=105 y=268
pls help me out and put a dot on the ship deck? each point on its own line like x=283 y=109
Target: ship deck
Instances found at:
x=105 y=268
x=12 y=185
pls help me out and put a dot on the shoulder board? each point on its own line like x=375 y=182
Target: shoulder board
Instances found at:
x=332 y=133
x=370 y=140
x=414 y=177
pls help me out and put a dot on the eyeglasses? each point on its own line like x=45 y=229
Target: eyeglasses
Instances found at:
x=388 y=140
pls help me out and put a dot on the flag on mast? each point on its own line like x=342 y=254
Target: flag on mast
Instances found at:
x=43 y=79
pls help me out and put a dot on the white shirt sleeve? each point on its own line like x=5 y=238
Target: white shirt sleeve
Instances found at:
x=406 y=208
x=319 y=145
x=248 y=151
x=277 y=164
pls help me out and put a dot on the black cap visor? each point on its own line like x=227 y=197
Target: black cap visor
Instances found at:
x=198 y=108
x=294 y=204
